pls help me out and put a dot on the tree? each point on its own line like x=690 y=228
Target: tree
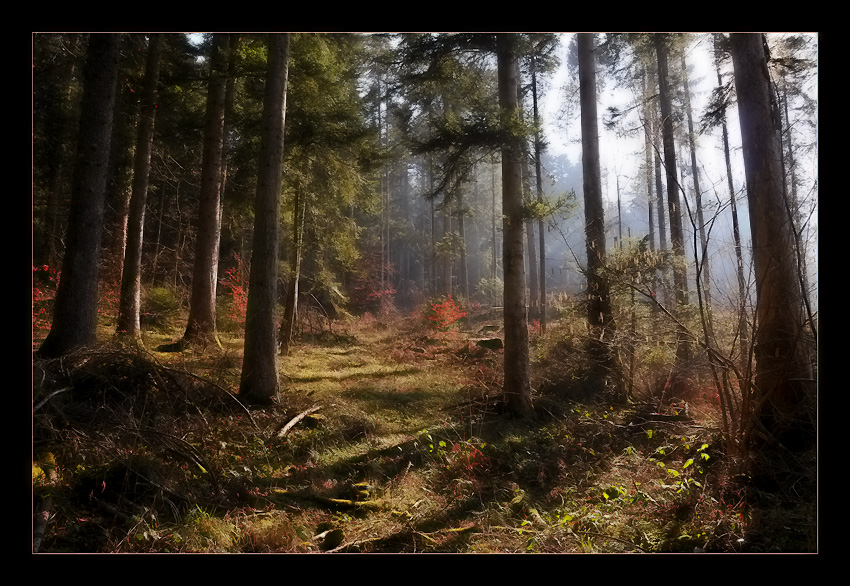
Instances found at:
x=259 y=381
x=785 y=393
x=517 y=387
x=717 y=115
x=677 y=234
x=131 y=275
x=201 y=328
x=599 y=314
x=330 y=151
x=75 y=311
x=539 y=146
x=56 y=65
x=702 y=268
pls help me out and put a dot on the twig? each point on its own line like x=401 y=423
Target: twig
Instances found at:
x=48 y=397
x=208 y=382
x=292 y=422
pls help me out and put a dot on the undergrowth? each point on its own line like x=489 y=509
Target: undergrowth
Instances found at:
x=389 y=438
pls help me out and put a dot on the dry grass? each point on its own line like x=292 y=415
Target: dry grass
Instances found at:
x=406 y=451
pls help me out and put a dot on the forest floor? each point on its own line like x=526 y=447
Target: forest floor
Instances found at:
x=385 y=439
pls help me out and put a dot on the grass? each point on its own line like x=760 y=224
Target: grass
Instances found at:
x=402 y=447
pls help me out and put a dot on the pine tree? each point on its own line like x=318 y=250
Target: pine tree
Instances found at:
x=131 y=274
x=599 y=311
x=517 y=388
x=259 y=381
x=786 y=394
x=75 y=311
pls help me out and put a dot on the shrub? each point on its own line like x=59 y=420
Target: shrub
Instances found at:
x=45 y=280
x=444 y=313
x=159 y=307
x=235 y=287
x=492 y=290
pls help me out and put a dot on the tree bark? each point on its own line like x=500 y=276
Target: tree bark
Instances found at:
x=538 y=174
x=533 y=281
x=75 y=311
x=676 y=381
x=517 y=387
x=786 y=393
x=599 y=316
x=201 y=326
x=743 y=328
x=290 y=311
x=677 y=239
x=703 y=266
x=259 y=381
x=131 y=274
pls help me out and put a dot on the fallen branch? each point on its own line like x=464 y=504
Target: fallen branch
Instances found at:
x=50 y=396
x=294 y=421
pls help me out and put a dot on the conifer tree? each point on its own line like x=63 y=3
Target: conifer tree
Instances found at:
x=131 y=274
x=599 y=311
x=786 y=394
x=259 y=381
x=75 y=311
x=517 y=387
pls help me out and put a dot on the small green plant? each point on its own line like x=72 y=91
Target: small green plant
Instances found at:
x=159 y=307
x=204 y=532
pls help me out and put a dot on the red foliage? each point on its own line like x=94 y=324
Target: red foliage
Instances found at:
x=235 y=282
x=445 y=313
x=368 y=292
x=45 y=280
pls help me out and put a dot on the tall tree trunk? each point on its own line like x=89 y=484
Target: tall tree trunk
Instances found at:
x=743 y=329
x=131 y=275
x=75 y=311
x=703 y=266
x=532 y=260
x=432 y=281
x=786 y=398
x=677 y=239
x=461 y=228
x=59 y=155
x=599 y=315
x=495 y=249
x=290 y=310
x=517 y=386
x=677 y=236
x=648 y=157
x=201 y=327
x=538 y=175
x=448 y=254
x=119 y=183
x=666 y=294
x=790 y=171
x=259 y=380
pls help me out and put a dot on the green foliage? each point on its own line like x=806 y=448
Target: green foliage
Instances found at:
x=492 y=289
x=160 y=307
x=449 y=246
x=536 y=209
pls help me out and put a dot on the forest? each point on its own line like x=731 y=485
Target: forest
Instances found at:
x=405 y=293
